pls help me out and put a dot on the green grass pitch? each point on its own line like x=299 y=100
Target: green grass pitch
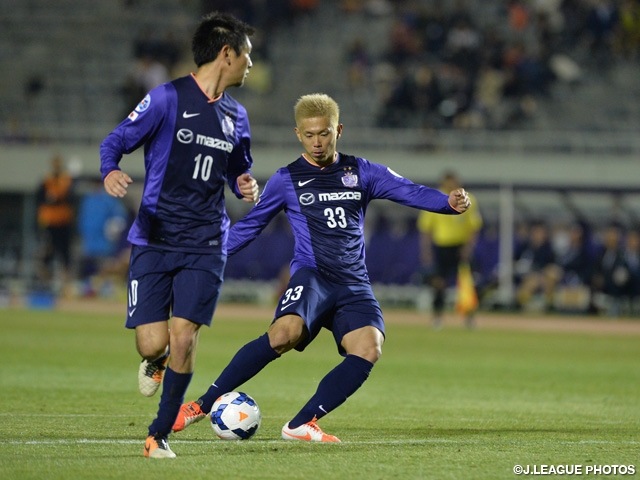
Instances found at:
x=451 y=404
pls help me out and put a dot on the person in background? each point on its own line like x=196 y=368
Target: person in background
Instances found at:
x=536 y=270
x=613 y=275
x=446 y=242
x=56 y=218
x=632 y=259
x=574 y=254
x=101 y=221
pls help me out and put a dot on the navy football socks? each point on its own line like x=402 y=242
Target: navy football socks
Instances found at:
x=246 y=363
x=174 y=386
x=334 y=389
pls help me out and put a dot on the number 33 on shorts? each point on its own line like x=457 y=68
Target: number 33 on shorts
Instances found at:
x=290 y=296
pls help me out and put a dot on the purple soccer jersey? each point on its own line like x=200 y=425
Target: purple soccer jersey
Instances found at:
x=326 y=209
x=192 y=145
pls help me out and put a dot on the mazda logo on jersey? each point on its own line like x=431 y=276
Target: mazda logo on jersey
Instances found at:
x=185 y=136
x=307 y=199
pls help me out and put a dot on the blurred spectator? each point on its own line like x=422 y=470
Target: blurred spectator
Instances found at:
x=529 y=73
x=154 y=59
x=518 y=15
x=575 y=258
x=446 y=241
x=612 y=276
x=404 y=42
x=432 y=26
x=145 y=44
x=462 y=45
x=55 y=200
x=162 y=47
x=601 y=26
x=457 y=89
x=426 y=96
x=102 y=219
x=489 y=97
x=574 y=254
x=632 y=259
x=146 y=74
x=535 y=268
x=414 y=101
x=171 y=50
x=492 y=49
x=628 y=38
x=359 y=64
x=574 y=17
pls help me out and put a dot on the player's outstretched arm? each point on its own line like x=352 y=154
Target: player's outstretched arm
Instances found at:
x=116 y=183
x=459 y=200
x=248 y=187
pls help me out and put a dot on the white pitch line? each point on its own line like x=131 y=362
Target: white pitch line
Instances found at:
x=86 y=441
x=101 y=415
x=70 y=415
x=221 y=442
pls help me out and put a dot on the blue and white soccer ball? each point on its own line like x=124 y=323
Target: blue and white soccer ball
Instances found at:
x=235 y=416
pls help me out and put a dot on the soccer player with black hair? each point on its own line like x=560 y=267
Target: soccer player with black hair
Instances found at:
x=196 y=138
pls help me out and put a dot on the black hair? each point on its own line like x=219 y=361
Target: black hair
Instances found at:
x=214 y=32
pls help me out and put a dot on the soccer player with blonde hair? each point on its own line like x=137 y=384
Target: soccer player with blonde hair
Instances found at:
x=324 y=194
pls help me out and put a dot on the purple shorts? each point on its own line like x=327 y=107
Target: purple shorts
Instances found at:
x=165 y=283
x=336 y=307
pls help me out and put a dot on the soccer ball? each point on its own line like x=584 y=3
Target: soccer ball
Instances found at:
x=235 y=416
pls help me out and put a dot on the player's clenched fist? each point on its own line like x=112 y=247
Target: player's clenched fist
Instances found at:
x=459 y=200
x=116 y=183
x=248 y=187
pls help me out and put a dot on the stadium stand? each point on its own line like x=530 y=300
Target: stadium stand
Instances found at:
x=69 y=61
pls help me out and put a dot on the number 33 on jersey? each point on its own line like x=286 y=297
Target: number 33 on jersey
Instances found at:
x=326 y=208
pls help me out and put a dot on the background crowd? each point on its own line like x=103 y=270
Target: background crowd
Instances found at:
x=440 y=65
x=431 y=64
x=489 y=65
x=557 y=266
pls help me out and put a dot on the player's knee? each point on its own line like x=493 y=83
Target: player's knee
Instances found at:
x=282 y=341
x=371 y=352
x=286 y=333
x=365 y=343
x=150 y=350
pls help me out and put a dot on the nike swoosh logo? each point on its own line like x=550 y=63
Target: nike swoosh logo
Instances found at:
x=287 y=306
x=306 y=436
x=302 y=184
x=322 y=408
x=189 y=115
x=131 y=312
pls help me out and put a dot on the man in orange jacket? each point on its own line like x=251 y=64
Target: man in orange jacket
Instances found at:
x=56 y=218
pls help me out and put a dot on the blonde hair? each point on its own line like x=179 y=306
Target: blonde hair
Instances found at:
x=317 y=105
